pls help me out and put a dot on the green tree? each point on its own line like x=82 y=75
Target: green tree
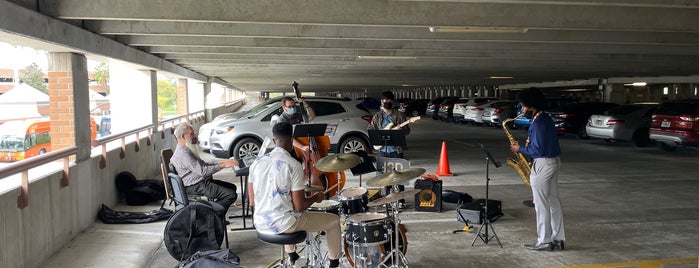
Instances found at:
x=101 y=73
x=33 y=76
x=167 y=95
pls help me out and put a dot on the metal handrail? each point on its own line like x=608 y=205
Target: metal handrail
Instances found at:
x=24 y=166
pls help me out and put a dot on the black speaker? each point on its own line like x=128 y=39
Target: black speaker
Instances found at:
x=474 y=212
x=430 y=197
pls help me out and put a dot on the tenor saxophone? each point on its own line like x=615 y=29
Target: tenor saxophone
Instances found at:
x=521 y=165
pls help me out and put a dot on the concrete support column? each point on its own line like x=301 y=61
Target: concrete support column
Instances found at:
x=69 y=103
x=207 y=91
x=153 y=76
x=614 y=93
x=181 y=102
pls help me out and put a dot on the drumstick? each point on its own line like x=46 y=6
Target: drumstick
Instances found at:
x=333 y=187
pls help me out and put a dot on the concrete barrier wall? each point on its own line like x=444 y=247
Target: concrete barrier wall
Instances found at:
x=228 y=108
x=56 y=215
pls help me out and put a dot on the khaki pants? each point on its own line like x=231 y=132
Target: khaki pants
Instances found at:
x=549 y=215
x=317 y=222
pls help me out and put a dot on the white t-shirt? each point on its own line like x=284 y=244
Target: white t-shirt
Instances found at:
x=274 y=176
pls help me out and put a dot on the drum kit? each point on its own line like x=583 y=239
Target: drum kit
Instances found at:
x=371 y=239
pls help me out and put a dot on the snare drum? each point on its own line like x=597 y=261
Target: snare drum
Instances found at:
x=354 y=200
x=367 y=229
x=327 y=206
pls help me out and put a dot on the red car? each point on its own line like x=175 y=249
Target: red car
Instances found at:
x=675 y=124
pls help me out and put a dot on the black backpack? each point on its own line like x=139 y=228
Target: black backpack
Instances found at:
x=193 y=228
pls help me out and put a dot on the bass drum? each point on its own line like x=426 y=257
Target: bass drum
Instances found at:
x=381 y=251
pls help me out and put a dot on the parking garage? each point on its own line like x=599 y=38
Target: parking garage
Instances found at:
x=624 y=205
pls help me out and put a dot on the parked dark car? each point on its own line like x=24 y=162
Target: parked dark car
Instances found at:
x=675 y=124
x=446 y=109
x=414 y=107
x=550 y=103
x=432 y=109
x=629 y=122
x=370 y=104
x=572 y=118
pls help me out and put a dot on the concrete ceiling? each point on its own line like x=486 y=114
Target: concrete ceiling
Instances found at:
x=346 y=44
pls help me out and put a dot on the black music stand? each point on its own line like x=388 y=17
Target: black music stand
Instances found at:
x=309 y=130
x=365 y=166
x=486 y=219
x=382 y=137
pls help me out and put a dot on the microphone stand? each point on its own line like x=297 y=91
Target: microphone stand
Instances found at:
x=484 y=236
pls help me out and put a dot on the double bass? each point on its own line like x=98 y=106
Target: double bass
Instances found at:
x=318 y=149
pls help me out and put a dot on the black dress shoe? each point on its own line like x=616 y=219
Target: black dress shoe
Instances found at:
x=542 y=247
x=559 y=244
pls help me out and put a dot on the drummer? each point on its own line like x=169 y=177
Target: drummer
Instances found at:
x=276 y=190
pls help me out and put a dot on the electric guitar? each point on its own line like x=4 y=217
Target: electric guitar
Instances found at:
x=390 y=126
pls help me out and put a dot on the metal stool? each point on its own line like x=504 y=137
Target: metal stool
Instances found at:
x=282 y=239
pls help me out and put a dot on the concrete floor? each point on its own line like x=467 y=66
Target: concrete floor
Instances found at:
x=624 y=207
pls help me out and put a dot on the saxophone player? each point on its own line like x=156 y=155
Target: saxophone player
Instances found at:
x=543 y=147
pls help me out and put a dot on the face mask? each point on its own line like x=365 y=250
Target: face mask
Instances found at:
x=388 y=105
x=291 y=111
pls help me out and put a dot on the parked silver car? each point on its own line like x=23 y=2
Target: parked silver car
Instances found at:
x=206 y=129
x=498 y=112
x=467 y=110
x=347 y=122
x=624 y=123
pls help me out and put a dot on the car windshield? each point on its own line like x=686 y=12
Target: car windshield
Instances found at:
x=11 y=143
x=257 y=109
x=676 y=108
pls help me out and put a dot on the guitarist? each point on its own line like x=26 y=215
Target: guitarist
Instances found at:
x=388 y=114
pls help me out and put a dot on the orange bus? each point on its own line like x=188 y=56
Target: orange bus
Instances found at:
x=21 y=139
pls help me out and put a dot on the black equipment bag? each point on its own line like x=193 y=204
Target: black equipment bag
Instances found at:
x=455 y=197
x=430 y=197
x=222 y=258
x=196 y=227
x=110 y=216
x=139 y=192
x=474 y=212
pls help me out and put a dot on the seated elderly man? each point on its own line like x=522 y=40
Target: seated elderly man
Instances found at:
x=197 y=174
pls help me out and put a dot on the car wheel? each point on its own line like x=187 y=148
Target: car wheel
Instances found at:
x=353 y=144
x=582 y=134
x=641 y=138
x=42 y=151
x=246 y=147
x=414 y=113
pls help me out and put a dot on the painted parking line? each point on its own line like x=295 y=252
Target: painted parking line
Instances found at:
x=637 y=264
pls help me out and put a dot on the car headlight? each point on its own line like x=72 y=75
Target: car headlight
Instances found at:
x=223 y=130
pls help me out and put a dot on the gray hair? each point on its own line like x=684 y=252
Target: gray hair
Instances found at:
x=180 y=129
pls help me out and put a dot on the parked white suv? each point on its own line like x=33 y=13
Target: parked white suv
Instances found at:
x=347 y=123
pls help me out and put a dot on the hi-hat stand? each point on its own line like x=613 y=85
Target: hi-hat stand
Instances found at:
x=484 y=236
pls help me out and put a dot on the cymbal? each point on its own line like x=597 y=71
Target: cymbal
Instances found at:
x=313 y=188
x=394 y=197
x=338 y=162
x=395 y=177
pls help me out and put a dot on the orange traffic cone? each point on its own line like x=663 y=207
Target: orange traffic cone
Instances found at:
x=443 y=167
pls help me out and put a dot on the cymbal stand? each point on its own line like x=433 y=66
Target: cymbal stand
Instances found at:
x=396 y=253
x=314 y=257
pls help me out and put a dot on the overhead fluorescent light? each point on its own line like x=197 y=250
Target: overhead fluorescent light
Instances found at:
x=501 y=77
x=576 y=90
x=386 y=57
x=637 y=84
x=469 y=29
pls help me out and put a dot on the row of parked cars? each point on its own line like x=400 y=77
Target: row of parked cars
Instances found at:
x=670 y=124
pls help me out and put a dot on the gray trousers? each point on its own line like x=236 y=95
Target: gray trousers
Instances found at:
x=549 y=216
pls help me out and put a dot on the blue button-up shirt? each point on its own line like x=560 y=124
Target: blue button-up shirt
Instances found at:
x=543 y=139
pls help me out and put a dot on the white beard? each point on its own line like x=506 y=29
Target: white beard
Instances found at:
x=195 y=149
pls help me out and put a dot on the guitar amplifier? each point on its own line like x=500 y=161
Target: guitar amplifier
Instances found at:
x=474 y=212
x=430 y=197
